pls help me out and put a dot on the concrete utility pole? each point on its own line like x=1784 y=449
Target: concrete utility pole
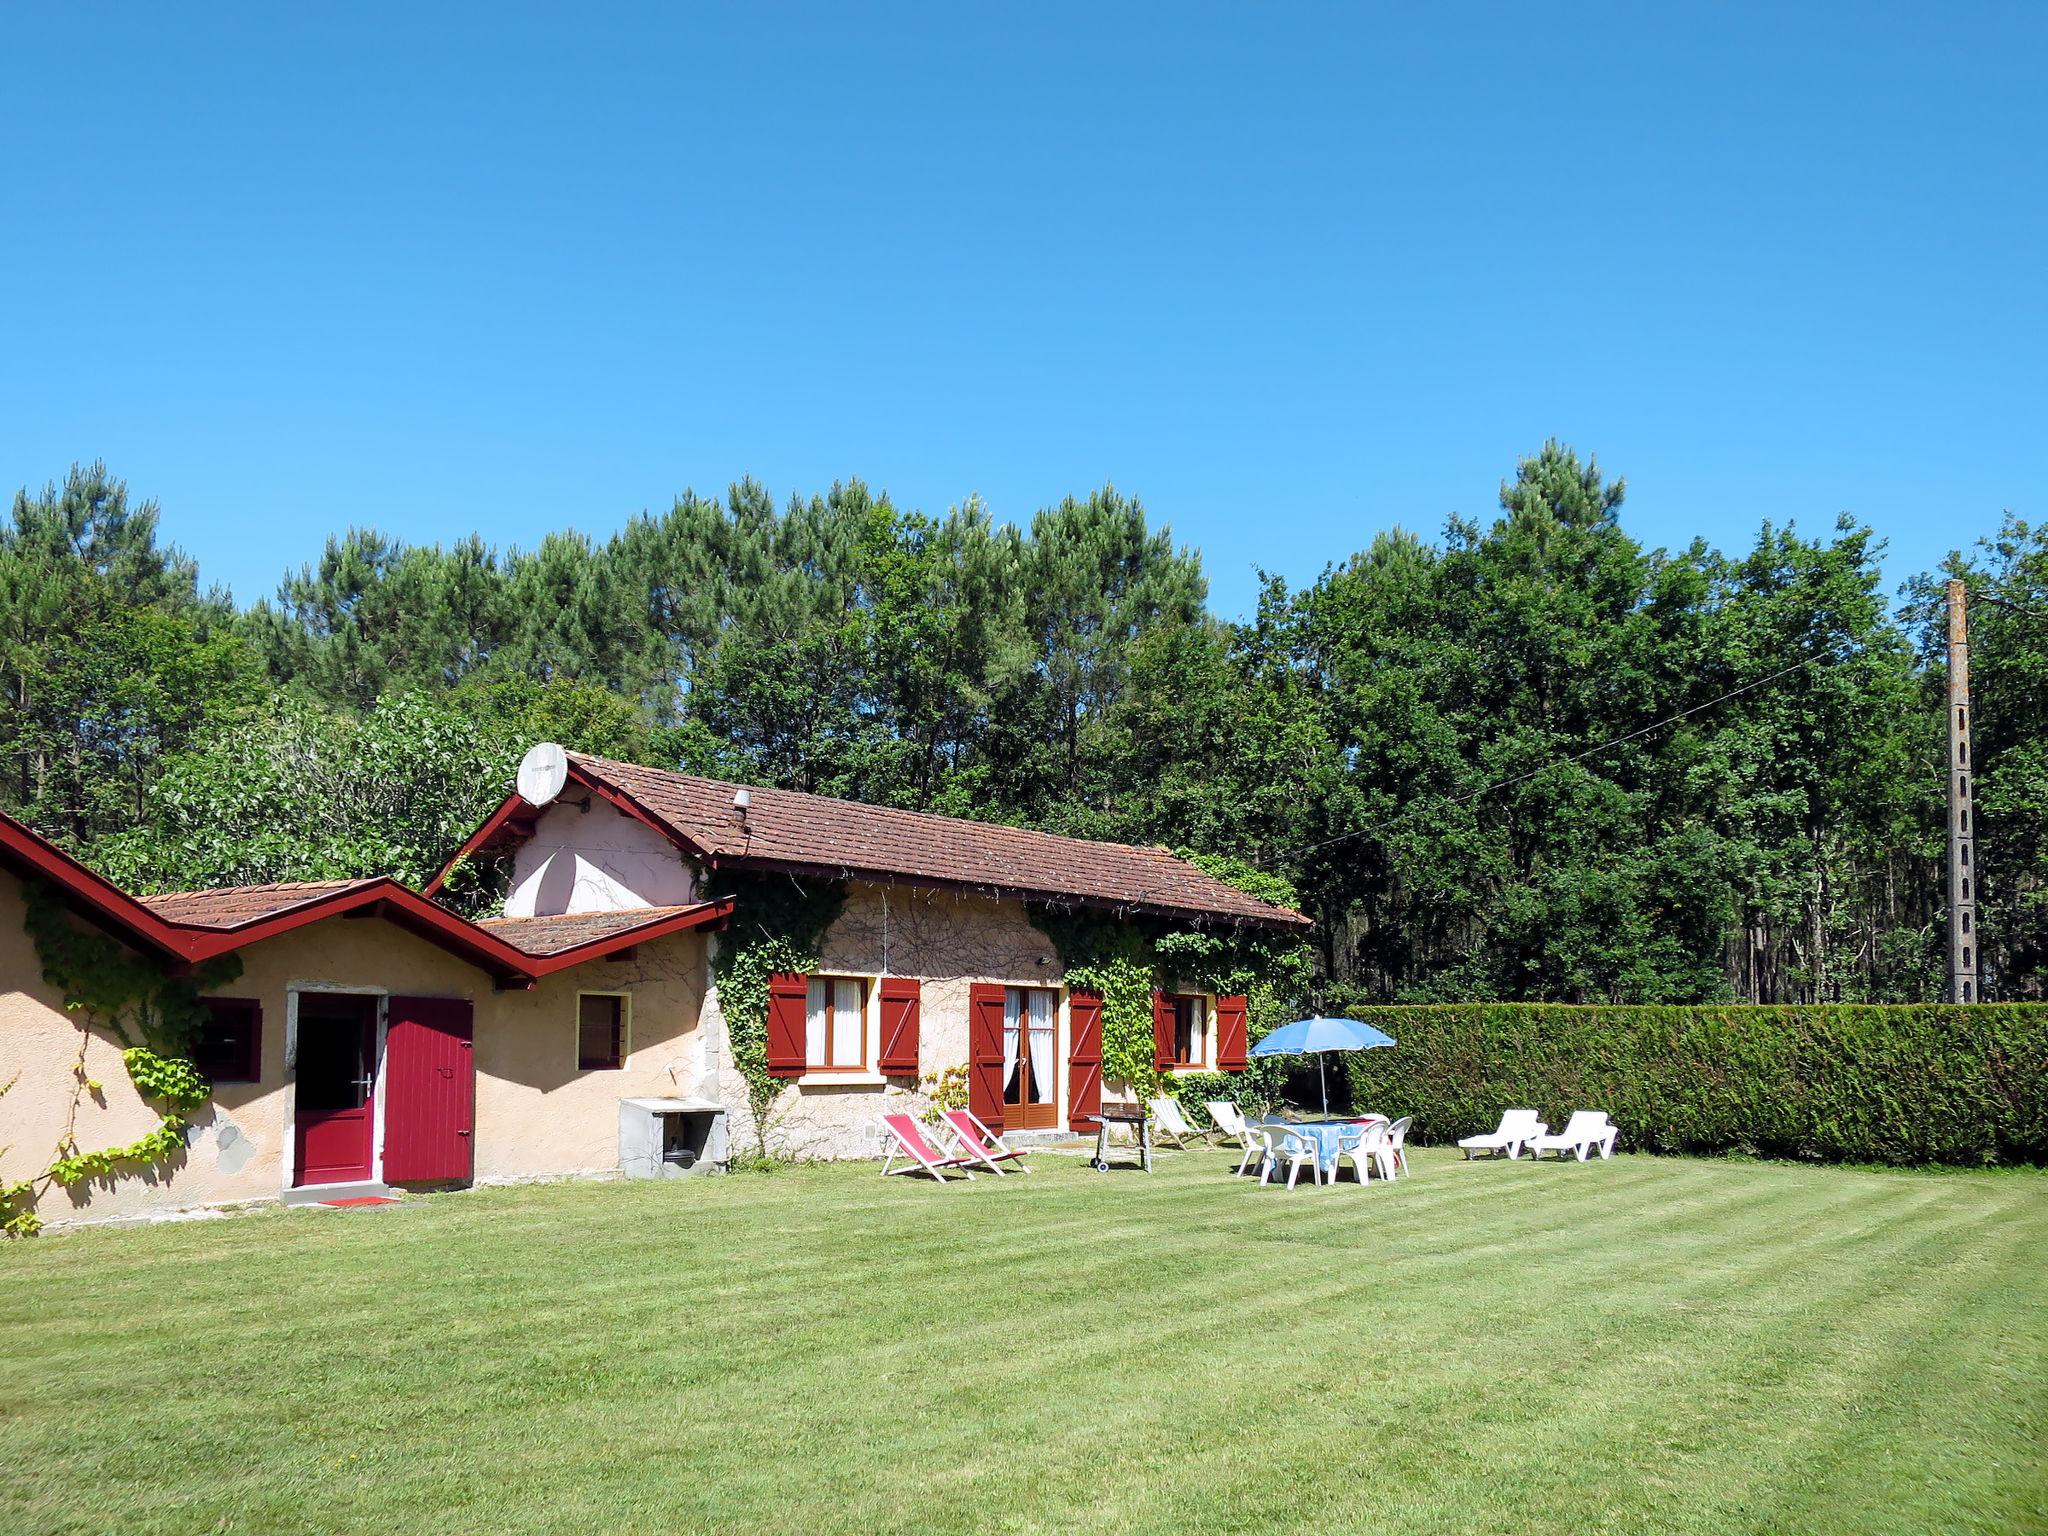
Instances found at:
x=1962 y=862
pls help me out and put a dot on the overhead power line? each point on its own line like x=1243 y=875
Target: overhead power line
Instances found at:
x=1658 y=725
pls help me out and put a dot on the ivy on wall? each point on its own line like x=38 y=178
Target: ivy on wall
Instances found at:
x=155 y=1017
x=778 y=923
x=1125 y=959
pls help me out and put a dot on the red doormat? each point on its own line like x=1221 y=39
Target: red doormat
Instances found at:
x=362 y=1200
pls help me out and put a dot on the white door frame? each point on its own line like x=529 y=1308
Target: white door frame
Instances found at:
x=292 y=990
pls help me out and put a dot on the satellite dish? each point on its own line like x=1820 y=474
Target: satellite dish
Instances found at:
x=542 y=773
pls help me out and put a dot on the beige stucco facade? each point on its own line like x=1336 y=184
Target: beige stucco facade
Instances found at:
x=536 y=1114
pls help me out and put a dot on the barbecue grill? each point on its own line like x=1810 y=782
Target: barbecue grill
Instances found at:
x=1135 y=1117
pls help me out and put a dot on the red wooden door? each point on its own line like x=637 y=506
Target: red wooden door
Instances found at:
x=335 y=1070
x=429 y=1090
x=985 y=1053
x=1084 y=1059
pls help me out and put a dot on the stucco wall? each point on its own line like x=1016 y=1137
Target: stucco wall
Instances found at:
x=950 y=941
x=595 y=860
x=537 y=1115
x=40 y=1047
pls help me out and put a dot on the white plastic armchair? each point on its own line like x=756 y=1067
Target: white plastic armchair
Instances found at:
x=1296 y=1149
x=1397 y=1142
x=1368 y=1147
x=1588 y=1131
x=1517 y=1128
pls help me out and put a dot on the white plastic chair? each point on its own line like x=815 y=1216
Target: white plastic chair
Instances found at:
x=1397 y=1142
x=1368 y=1148
x=1588 y=1131
x=1295 y=1148
x=1517 y=1128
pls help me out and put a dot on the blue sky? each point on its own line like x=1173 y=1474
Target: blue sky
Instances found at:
x=1288 y=274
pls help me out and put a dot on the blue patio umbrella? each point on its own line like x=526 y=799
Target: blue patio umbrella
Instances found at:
x=1312 y=1037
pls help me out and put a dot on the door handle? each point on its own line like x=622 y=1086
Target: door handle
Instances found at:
x=465 y=1133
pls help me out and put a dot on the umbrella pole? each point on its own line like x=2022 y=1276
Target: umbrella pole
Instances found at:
x=1323 y=1083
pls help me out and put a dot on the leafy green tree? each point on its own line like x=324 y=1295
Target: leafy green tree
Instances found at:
x=110 y=658
x=302 y=792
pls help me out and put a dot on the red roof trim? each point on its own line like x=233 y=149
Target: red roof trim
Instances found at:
x=31 y=854
x=27 y=852
x=499 y=819
x=611 y=794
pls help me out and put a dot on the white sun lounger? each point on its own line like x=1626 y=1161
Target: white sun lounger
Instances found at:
x=1517 y=1128
x=1588 y=1131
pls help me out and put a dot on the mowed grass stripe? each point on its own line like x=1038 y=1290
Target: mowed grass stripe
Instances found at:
x=1646 y=1344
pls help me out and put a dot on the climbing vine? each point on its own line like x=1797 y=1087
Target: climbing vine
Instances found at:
x=1124 y=960
x=777 y=926
x=155 y=1018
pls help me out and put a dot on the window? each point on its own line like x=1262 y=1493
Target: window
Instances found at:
x=229 y=1045
x=600 y=1031
x=1190 y=1031
x=836 y=1038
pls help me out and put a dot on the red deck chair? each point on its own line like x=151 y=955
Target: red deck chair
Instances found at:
x=980 y=1141
x=905 y=1138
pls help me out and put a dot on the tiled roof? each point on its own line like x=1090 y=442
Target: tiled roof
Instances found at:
x=844 y=837
x=232 y=906
x=572 y=930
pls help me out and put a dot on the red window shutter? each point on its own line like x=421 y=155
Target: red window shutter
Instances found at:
x=902 y=1002
x=1162 y=1031
x=1230 y=1034
x=429 y=1091
x=1084 y=1059
x=789 y=1011
x=985 y=1053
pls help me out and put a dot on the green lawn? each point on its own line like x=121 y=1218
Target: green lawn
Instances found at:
x=1640 y=1345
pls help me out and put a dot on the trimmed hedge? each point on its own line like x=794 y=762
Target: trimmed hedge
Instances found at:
x=1849 y=1083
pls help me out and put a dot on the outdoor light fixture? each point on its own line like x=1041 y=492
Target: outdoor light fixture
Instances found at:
x=740 y=801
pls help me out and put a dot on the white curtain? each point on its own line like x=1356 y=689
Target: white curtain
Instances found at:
x=1041 y=1046
x=815 y=1043
x=1009 y=1035
x=848 y=1025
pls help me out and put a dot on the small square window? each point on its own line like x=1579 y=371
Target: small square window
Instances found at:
x=228 y=1047
x=600 y=1032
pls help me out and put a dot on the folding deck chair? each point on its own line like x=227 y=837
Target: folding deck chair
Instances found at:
x=1169 y=1119
x=981 y=1142
x=908 y=1139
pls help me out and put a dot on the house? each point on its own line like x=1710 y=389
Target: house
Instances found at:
x=933 y=961
x=375 y=1037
